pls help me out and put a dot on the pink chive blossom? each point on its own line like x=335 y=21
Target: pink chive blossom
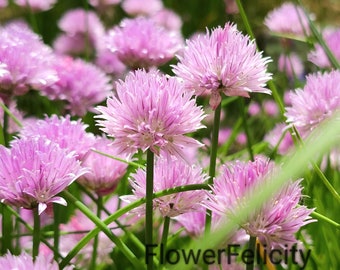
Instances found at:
x=3 y=3
x=151 y=111
x=25 y=262
x=288 y=19
x=142 y=43
x=318 y=55
x=277 y=221
x=69 y=134
x=231 y=7
x=169 y=174
x=280 y=137
x=168 y=19
x=104 y=172
x=291 y=65
x=82 y=29
x=137 y=7
x=36 y=5
x=223 y=61
x=317 y=101
x=254 y=108
x=81 y=84
x=270 y=108
x=25 y=61
x=34 y=170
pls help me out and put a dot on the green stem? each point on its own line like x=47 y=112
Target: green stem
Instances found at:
x=96 y=239
x=56 y=229
x=149 y=205
x=320 y=39
x=246 y=129
x=36 y=233
x=165 y=233
x=252 y=247
x=213 y=157
x=134 y=164
x=123 y=211
x=7 y=228
x=245 y=19
x=33 y=19
x=11 y=115
x=101 y=226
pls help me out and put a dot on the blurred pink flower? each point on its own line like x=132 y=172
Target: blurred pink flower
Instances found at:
x=291 y=65
x=25 y=262
x=36 y=5
x=270 y=108
x=231 y=7
x=277 y=221
x=69 y=134
x=25 y=61
x=254 y=108
x=3 y=3
x=224 y=61
x=81 y=29
x=169 y=173
x=137 y=7
x=34 y=171
x=280 y=137
x=288 y=19
x=153 y=111
x=318 y=55
x=142 y=43
x=81 y=84
x=104 y=172
x=317 y=101
x=168 y=19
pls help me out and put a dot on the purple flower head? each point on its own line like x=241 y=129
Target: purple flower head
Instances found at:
x=142 y=43
x=104 y=172
x=3 y=3
x=34 y=171
x=318 y=55
x=280 y=137
x=168 y=18
x=146 y=7
x=317 y=101
x=69 y=134
x=82 y=28
x=223 y=61
x=25 y=61
x=25 y=262
x=291 y=65
x=169 y=174
x=288 y=19
x=151 y=111
x=36 y=5
x=82 y=85
x=276 y=222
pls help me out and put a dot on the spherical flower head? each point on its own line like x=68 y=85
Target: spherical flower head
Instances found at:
x=142 y=43
x=317 y=101
x=82 y=85
x=26 y=262
x=168 y=18
x=25 y=60
x=104 y=172
x=288 y=19
x=144 y=8
x=82 y=28
x=276 y=222
x=291 y=65
x=318 y=55
x=3 y=3
x=69 y=134
x=151 y=111
x=223 y=61
x=170 y=173
x=36 y=5
x=34 y=171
